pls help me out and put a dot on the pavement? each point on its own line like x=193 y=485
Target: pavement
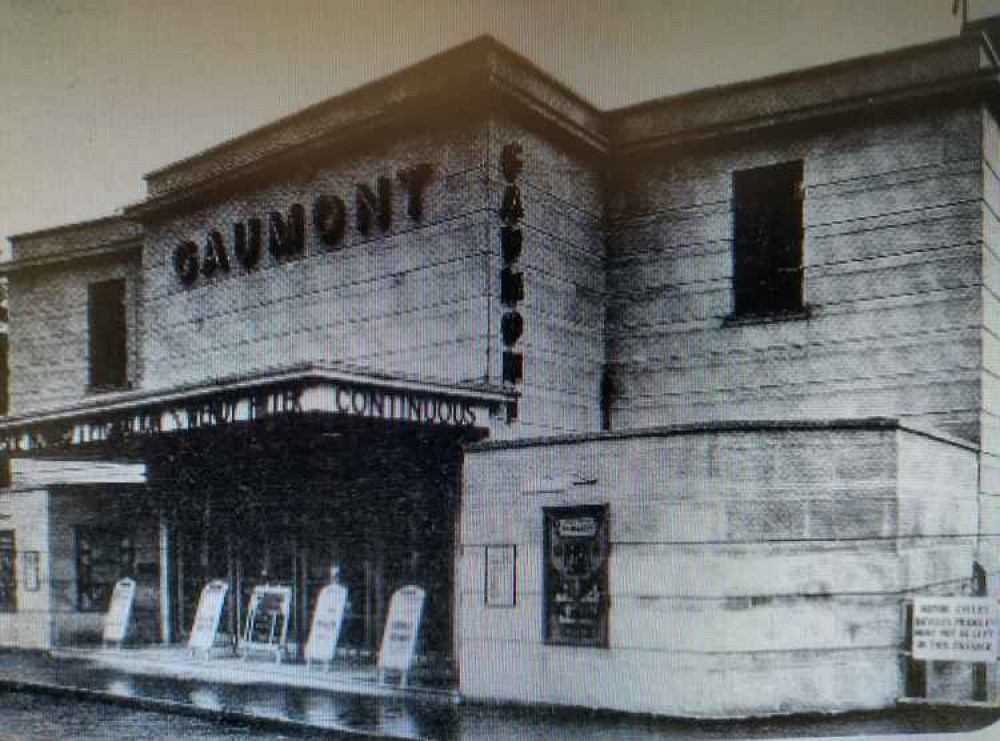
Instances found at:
x=346 y=701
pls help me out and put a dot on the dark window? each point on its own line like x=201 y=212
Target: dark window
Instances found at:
x=767 y=240
x=102 y=558
x=106 y=311
x=8 y=572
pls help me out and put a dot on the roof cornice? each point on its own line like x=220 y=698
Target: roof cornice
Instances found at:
x=483 y=78
x=478 y=78
x=108 y=251
x=948 y=69
x=343 y=373
x=80 y=240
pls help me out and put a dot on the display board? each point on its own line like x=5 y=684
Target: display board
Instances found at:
x=954 y=629
x=207 y=616
x=501 y=584
x=116 y=622
x=402 y=628
x=326 y=622
x=267 y=620
x=576 y=575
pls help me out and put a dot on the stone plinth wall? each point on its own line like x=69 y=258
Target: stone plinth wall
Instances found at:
x=751 y=570
x=26 y=512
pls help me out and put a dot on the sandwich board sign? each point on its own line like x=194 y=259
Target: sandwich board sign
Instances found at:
x=119 y=611
x=207 y=616
x=327 y=619
x=402 y=627
x=267 y=620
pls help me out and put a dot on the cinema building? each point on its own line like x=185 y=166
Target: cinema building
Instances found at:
x=693 y=394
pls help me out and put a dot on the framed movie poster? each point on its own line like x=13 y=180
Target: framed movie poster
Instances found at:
x=576 y=575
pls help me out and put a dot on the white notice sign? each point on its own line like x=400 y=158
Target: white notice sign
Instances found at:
x=954 y=629
x=119 y=611
x=399 y=641
x=326 y=622
x=206 y=618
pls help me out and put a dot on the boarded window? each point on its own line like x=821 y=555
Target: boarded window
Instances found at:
x=108 y=355
x=102 y=558
x=8 y=572
x=767 y=240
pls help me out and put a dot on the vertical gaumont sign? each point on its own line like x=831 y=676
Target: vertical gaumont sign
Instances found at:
x=284 y=233
x=229 y=407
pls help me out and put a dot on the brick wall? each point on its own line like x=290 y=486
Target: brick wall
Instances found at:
x=412 y=301
x=49 y=336
x=892 y=253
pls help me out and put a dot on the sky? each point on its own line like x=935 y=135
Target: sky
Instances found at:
x=93 y=95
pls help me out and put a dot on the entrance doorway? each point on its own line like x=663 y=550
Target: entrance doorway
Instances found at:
x=377 y=502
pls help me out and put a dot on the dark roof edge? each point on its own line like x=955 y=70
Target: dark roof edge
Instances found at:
x=116 y=247
x=487 y=57
x=982 y=85
x=302 y=372
x=309 y=110
x=480 y=48
x=749 y=426
x=789 y=76
x=50 y=231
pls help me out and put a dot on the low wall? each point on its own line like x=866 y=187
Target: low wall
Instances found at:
x=751 y=569
x=26 y=513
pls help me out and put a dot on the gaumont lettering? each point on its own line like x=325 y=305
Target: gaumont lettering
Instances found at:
x=511 y=277
x=246 y=243
x=374 y=206
x=286 y=231
x=330 y=220
x=286 y=235
x=215 y=255
x=414 y=180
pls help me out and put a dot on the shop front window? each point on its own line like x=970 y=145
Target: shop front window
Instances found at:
x=8 y=573
x=103 y=557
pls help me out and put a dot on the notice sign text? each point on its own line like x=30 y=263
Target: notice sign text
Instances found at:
x=954 y=629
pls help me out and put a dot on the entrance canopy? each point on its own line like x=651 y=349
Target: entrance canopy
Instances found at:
x=118 y=419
